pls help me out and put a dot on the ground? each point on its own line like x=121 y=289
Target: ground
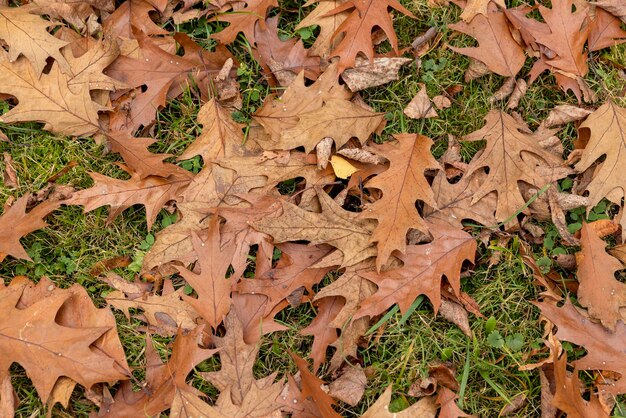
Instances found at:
x=400 y=351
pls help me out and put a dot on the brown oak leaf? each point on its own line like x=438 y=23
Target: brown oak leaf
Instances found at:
x=605 y=131
x=311 y=389
x=424 y=408
x=512 y=155
x=161 y=381
x=475 y=7
x=243 y=20
x=280 y=114
x=134 y=14
x=402 y=185
x=328 y=25
x=334 y=226
x=47 y=98
x=15 y=223
x=356 y=30
x=53 y=333
x=211 y=284
x=497 y=48
x=605 y=349
x=599 y=291
x=153 y=192
x=27 y=34
x=324 y=334
x=615 y=7
x=284 y=59
x=422 y=272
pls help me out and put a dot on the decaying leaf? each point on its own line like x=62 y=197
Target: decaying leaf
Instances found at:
x=41 y=332
x=349 y=387
x=420 y=106
x=365 y=74
x=356 y=31
x=563 y=114
x=497 y=48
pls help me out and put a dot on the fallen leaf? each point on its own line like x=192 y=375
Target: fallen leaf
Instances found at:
x=497 y=48
x=420 y=106
x=424 y=408
x=328 y=24
x=599 y=291
x=243 y=20
x=366 y=74
x=47 y=98
x=334 y=226
x=475 y=7
x=456 y=314
x=441 y=102
x=342 y=167
x=423 y=269
x=403 y=184
x=312 y=389
x=446 y=399
x=27 y=34
x=356 y=30
x=604 y=348
x=212 y=284
x=26 y=331
x=9 y=175
x=15 y=223
x=615 y=7
x=563 y=114
x=350 y=386
x=512 y=155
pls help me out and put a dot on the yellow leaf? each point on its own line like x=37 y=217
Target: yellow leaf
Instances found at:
x=343 y=169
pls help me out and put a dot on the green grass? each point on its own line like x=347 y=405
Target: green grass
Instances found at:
x=398 y=353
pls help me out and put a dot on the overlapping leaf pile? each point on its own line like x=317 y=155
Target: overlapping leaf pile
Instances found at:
x=387 y=219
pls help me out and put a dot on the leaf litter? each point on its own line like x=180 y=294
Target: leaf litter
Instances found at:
x=380 y=228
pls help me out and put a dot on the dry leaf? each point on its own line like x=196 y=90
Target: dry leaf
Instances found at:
x=563 y=114
x=441 y=102
x=243 y=20
x=366 y=74
x=350 y=386
x=402 y=185
x=424 y=408
x=456 y=314
x=475 y=7
x=599 y=291
x=420 y=106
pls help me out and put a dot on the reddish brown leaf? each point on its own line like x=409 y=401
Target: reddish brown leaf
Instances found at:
x=422 y=272
x=243 y=20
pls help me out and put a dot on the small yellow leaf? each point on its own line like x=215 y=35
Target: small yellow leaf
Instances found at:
x=343 y=169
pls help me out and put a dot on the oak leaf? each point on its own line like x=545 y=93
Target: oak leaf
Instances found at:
x=605 y=349
x=606 y=135
x=366 y=74
x=424 y=408
x=15 y=223
x=324 y=334
x=293 y=270
x=334 y=226
x=243 y=20
x=221 y=136
x=356 y=31
x=162 y=379
x=27 y=34
x=311 y=388
x=48 y=346
x=512 y=155
x=615 y=7
x=606 y=31
x=422 y=272
x=237 y=359
x=211 y=284
x=454 y=201
x=153 y=192
x=420 y=107
x=164 y=313
x=139 y=159
x=47 y=98
x=280 y=114
x=133 y=14
x=283 y=58
x=446 y=399
x=402 y=185
x=475 y=7
x=599 y=291
x=338 y=119
x=328 y=25
x=497 y=48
